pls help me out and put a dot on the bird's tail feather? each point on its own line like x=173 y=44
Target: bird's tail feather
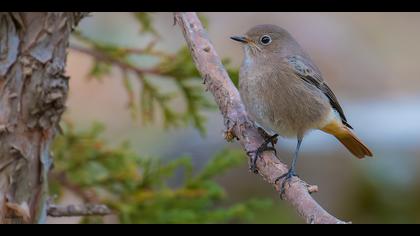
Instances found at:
x=348 y=139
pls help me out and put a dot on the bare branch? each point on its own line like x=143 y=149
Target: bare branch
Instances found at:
x=238 y=125
x=78 y=210
x=98 y=55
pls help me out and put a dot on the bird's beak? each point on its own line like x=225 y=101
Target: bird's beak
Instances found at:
x=241 y=39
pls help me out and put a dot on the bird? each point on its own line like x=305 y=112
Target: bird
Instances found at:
x=284 y=93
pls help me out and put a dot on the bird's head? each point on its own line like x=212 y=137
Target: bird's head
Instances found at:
x=264 y=40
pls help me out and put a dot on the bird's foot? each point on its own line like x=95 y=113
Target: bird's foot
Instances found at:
x=271 y=139
x=287 y=178
x=257 y=154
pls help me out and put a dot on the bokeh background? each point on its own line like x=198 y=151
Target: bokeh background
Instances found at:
x=371 y=61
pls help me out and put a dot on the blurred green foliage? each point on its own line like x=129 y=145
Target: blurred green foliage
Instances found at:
x=177 y=68
x=136 y=187
x=377 y=201
x=145 y=21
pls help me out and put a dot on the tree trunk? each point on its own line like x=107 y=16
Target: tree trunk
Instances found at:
x=33 y=91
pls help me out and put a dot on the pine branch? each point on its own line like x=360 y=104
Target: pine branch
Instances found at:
x=101 y=56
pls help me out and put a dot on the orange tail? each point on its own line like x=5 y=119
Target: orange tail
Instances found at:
x=348 y=139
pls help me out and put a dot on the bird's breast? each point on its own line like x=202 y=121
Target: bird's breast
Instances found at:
x=279 y=101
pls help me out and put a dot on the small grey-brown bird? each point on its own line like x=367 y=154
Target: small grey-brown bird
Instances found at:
x=284 y=93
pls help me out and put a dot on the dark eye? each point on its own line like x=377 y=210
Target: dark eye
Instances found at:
x=265 y=39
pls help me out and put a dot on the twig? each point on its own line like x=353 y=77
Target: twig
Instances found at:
x=78 y=210
x=238 y=125
x=86 y=195
x=147 y=51
x=109 y=59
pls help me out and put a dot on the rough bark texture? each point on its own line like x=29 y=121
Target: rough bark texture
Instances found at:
x=227 y=97
x=33 y=91
x=78 y=210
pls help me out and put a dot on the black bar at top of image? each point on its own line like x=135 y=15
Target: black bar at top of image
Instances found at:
x=212 y=5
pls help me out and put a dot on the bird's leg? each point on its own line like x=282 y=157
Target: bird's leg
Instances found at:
x=292 y=171
x=260 y=150
x=266 y=136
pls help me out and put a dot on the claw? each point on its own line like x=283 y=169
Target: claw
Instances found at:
x=260 y=150
x=272 y=149
x=257 y=155
x=287 y=177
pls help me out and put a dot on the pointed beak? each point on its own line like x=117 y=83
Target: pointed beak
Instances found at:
x=241 y=39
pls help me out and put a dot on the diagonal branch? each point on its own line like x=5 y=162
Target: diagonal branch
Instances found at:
x=235 y=118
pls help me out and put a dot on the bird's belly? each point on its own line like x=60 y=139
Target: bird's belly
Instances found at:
x=288 y=111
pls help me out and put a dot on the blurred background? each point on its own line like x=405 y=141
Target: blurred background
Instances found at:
x=370 y=60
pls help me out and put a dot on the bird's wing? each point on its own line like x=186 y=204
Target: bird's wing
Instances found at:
x=311 y=74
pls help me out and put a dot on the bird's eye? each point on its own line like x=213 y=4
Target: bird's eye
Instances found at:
x=265 y=39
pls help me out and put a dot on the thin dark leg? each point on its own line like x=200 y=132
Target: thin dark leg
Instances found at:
x=260 y=150
x=292 y=170
x=293 y=167
x=266 y=136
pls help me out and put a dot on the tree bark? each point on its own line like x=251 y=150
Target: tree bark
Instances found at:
x=33 y=92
